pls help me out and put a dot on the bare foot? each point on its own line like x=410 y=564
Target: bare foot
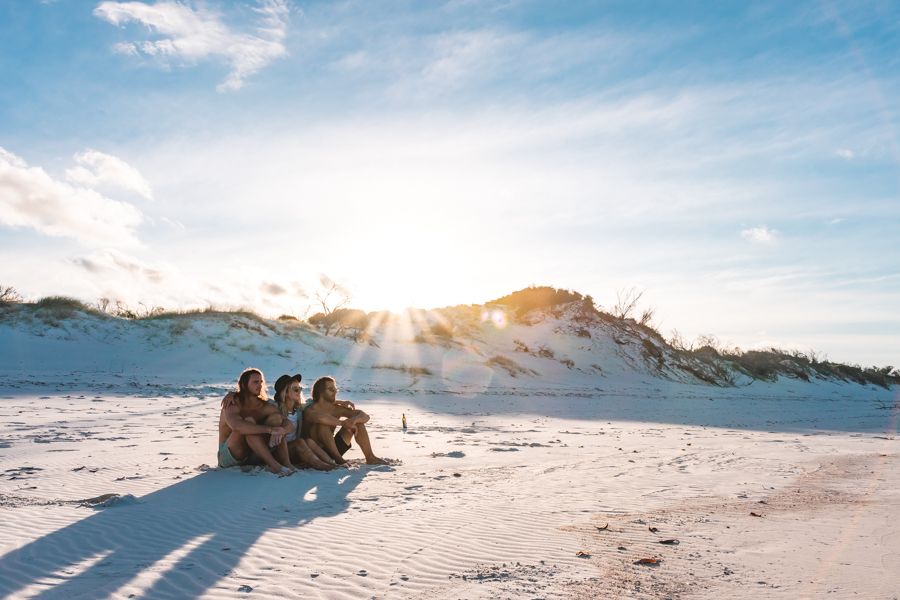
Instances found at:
x=376 y=461
x=286 y=471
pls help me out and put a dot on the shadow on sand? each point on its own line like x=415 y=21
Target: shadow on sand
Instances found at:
x=202 y=527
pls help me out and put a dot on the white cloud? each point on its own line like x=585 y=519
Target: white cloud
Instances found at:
x=760 y=235
x=98 y=169
x=193 y=34
x=845 y=153
x=29 y=197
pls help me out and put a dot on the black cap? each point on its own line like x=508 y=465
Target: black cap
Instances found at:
x=283 y=381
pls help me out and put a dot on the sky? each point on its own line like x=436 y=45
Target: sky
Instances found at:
x=738 y=162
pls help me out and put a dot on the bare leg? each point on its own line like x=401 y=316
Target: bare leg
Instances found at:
x=317 y=450
x=362 y=438
x=283 y=454
x=237 y=443
x=323 y=434
x=260 y=446
x=281 y=450
x=304 y=456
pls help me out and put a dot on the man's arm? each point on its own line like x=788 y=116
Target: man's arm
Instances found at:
x=317 y=416
x=232 y=416
x=334 y=415
x=352 y=418
x=286 y=426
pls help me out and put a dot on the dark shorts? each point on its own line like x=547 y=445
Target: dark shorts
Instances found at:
x=342 y=446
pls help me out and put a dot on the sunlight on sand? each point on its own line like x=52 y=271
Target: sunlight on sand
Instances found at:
x=155 y=573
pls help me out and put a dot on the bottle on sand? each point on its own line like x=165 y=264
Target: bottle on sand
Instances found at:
x=404 y=421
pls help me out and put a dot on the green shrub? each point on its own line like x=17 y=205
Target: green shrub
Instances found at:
x=62 y=307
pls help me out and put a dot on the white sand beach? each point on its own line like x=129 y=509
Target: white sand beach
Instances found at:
x=544 y=481
x=498 y=496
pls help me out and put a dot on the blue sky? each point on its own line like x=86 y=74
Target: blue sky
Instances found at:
x=739 y=162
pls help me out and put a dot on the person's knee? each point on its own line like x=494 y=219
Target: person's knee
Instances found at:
x=273 y=419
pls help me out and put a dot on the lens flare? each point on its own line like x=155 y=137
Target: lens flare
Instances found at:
x=496 y=316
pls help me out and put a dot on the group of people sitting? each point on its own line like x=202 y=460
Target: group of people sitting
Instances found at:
x=287 y=432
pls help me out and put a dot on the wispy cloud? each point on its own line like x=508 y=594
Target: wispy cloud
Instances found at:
x=193 y=34
x=29 y=197
x=96 y=169
x=760 y=235
x=459 y=55
x=112 y=260
x=273 y=288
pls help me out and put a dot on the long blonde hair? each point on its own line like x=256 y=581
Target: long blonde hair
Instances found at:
x=279 y=398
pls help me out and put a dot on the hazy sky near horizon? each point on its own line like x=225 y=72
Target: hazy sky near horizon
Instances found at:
x=738 y=161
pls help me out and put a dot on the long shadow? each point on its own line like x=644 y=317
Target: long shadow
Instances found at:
x=205 y=524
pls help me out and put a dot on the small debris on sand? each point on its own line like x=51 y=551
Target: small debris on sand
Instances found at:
x=107 y=501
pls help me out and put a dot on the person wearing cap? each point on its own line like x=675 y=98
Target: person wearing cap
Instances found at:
x=326 y=413
x=249 y=426
x=289 y=400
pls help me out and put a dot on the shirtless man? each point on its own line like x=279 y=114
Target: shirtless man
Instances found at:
x=248 y=423
x=326 y=413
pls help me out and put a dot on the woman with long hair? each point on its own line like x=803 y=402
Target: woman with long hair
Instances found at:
x=289 y=400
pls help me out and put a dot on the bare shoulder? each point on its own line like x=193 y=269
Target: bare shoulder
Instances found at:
x=318 y=410
x=231 y=407
x=231 y=399
x=313 y=409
